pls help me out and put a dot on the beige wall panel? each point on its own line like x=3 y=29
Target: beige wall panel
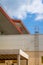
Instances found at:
x=24 y=42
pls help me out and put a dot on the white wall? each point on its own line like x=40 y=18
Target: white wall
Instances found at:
x=24 y=42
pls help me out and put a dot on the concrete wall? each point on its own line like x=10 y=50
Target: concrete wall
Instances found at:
x=24 y=42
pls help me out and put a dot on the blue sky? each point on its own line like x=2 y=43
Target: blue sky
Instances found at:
x=29 y=11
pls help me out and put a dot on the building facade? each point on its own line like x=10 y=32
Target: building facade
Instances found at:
x=24 y=42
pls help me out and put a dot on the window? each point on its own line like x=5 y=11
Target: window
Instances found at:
x=42 y=59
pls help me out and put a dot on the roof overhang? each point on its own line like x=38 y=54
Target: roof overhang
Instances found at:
x=11 y=54
x=8 y=26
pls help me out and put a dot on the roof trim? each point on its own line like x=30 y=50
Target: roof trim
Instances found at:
x=19 y=21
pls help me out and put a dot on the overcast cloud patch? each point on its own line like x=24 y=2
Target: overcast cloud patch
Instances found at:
x=19 y=8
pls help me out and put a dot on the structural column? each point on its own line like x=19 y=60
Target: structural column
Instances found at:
x=26 y=62
x=18 y=59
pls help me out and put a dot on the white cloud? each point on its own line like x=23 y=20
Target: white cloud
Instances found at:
x=20 y=13
x=19 y=8
x=39 y=17
x=35 y=7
